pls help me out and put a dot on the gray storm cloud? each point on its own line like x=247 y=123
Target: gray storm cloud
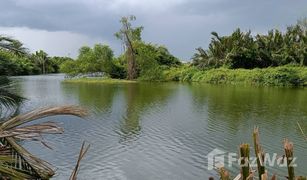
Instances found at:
x=181 y=25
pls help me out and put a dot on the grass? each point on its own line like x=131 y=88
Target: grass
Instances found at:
x=272 y=76
x=98 y=80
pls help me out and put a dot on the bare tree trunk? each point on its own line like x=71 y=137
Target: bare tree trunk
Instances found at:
x=131 y=63
x=132 y=74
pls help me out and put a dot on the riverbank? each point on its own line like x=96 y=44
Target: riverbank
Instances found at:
x=272 y=76
x=97 y=80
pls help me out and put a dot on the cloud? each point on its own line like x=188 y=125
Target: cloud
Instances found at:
x=182 y=25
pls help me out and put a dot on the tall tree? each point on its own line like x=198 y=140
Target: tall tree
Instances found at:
x=128 y=35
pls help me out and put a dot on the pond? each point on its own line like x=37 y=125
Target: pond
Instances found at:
x=163 y=131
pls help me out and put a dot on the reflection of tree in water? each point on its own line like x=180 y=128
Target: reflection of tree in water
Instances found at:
x=140 y=98
x=231 y=112
x=235 y=106
x=96 y=97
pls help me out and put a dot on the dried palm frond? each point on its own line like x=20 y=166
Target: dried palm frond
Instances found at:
x=6 y=159
x=13 y=173
x=83 y=151
x=33 y=131
x=37 y=166
x=41 y=113
x=301 y=129
x=10 y=129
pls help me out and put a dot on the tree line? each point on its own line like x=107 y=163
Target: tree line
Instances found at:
x=147 y=61
x=15 y=59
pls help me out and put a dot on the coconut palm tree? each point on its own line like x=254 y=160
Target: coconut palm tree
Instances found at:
x=12 y=45
x=8 y=99
x=41 y=58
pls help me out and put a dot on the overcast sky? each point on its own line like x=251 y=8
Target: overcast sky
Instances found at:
x=61 y=27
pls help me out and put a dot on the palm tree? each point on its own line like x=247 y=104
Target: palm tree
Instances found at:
x=42 y=58
x=8 y=99
x=12 y=45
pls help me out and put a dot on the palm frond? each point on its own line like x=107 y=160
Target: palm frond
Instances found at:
x=13 y=173
x=7 y=171
x=33 y=131
x=10 y=130
x=41 y=167
x=41 y=113
x=12 y=45
x=8 y=98
x=82 y=153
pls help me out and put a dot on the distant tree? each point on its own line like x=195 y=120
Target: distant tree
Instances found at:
x=55 y=63
x=129 y=35
x=302 y=23
x=41 y=58
x=104 y=56
x=96 y=59
x=69 y=67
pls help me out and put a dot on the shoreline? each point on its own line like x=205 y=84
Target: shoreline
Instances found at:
x=282 y=76
x=99 y=80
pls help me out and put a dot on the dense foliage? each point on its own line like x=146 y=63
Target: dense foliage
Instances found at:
x=100 y=58
x=272 y=76
x=16 y=60
x=242 y=50
x=152 y=60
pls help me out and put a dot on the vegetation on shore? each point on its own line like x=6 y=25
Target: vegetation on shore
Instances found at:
x=278 y=58
x=272 y=76
x=15 y=59
x=275 y=59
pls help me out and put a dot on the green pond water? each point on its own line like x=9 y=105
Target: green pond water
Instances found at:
x=151 y=131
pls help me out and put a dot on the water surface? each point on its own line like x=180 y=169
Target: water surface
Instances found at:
x=163 y=130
